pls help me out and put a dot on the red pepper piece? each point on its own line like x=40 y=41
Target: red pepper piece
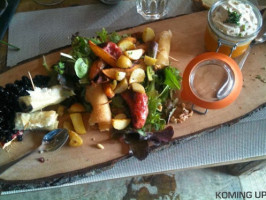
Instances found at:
x=113 y=49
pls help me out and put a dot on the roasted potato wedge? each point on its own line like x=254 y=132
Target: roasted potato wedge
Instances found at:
x=127 y=43
x=77 y=122
x=134 y=54
x=68 y=125
x=137 y=75
x=121 y=86
x=123 y=62
x=137 y=87
x=74 y=139
x=120 y=116
x=61 y=110
x=148 y=34
x=76 y=108
x=113 y=84
x=120 y=76
x=112 y=72
x=120 y=124
x=149 y=61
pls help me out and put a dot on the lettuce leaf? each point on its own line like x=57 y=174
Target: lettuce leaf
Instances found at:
x=172 y=78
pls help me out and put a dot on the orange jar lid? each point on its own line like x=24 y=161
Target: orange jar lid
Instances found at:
x=212 y=81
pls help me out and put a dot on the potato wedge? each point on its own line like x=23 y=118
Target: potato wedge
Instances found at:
x=111 y=72
x=148 y=34
x=61 y=110
x=127 y=43
x=68 y=125
x=113 y=84
x=120 y=76
x=109 y=92
x=76 y=108
x=137 y=75
x=74 y=139
x=98 y=51
x=123 y=62
x=137 y=87
x=149 y=61
x=134 y=54
x=121 y=86
x=77 y=122
x=120 y=116
x=120 y=124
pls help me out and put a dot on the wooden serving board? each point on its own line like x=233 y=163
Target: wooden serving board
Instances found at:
x=188 y=42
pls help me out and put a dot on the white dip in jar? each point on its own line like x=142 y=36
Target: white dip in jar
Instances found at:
x=234 y=9
x=235 y=23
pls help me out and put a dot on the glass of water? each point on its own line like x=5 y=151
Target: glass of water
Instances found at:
x=152 y=9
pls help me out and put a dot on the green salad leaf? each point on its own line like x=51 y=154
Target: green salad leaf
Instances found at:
x=172 y=78
x=82 y=67
x=103 y=35
x=115 y=37
x=80 y=47
x=159 y=87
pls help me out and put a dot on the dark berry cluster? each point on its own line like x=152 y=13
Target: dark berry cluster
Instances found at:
x=9 y=104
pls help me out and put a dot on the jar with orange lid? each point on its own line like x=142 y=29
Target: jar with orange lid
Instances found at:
x=232 y=25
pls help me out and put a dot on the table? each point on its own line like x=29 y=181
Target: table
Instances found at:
x=28 y=5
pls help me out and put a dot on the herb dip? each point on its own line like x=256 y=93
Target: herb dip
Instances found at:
x=235 y=18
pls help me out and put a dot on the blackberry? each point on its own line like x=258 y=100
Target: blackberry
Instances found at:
x=9 y=104
x=26 y=82
x=41 y=81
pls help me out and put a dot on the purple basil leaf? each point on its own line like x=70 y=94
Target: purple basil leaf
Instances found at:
x=163 y=136
x=138 y=145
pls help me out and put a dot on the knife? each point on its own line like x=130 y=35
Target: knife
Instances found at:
x=6 y=17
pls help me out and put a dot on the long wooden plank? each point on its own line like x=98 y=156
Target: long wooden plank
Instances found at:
x=187 y=42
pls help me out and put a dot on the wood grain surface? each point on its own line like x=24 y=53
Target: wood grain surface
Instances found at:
x=187 y=42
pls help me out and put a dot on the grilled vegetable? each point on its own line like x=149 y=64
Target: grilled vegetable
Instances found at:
x=138 y=105
x=77 y=122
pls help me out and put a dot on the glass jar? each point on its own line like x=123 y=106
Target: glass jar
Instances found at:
x=204 y=77
x=217 y=40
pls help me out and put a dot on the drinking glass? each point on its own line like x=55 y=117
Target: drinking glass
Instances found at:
x=152 y=9
x=48 y=2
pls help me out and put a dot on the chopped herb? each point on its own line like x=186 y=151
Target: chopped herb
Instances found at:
x=260 y=78
x=59 y=68
x=233 y=17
